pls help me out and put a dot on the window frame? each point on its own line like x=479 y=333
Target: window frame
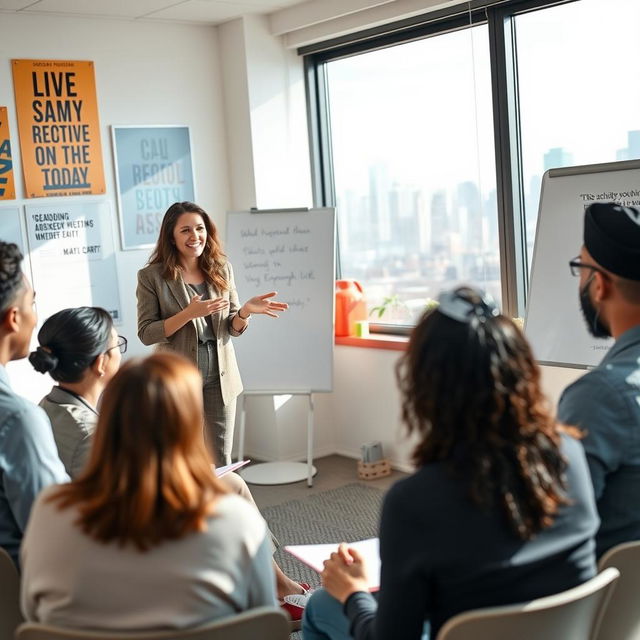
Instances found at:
x=499 y=16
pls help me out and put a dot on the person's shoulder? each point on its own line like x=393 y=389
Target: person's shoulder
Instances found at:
x=152 y=270
x=428 y=482
x=239 y=514
x=20 y=410
x=44 y=504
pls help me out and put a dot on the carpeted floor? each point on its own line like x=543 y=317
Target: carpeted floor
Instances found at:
x=345 y=514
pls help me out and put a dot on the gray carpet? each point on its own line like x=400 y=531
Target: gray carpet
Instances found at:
x=346 y=514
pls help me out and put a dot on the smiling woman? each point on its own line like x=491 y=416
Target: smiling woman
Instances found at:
x=187 y=302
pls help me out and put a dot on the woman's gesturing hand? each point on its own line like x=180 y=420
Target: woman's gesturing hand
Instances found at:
x=262 y=304
x=345 y=573
x=199 y=308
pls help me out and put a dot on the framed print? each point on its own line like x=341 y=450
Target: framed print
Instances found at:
x=153 y=170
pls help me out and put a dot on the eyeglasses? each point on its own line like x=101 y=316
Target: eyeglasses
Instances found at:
x=121 y=344
x=575 y=264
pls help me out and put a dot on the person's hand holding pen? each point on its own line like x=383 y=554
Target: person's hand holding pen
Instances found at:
x=344 y=573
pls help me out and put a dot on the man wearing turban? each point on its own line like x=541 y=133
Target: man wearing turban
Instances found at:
x=605 y=403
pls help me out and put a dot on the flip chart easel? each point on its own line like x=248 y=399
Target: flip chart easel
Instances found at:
x=291 y=251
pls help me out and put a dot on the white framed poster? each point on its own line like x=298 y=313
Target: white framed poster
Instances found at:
x=73 y=260
x=153 y=170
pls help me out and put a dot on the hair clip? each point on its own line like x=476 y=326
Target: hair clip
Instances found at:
x=464 y=304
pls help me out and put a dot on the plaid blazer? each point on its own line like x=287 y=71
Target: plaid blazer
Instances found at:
x=159 y=299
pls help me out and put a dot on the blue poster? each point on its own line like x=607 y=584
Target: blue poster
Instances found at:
x=153 y=170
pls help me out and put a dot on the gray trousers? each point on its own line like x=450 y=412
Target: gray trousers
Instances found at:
x=219 y=418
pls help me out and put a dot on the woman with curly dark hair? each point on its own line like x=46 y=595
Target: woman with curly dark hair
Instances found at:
x=501 y=508
x=187 y=302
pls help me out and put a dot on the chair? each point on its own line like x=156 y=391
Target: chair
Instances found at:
x=263 y=623
x=570 y=615
x=10 y=616
x=621 y=618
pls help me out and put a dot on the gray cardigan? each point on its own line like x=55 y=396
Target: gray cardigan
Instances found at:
x=159 y=299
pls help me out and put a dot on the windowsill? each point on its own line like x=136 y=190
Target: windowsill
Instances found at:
x=375 y=341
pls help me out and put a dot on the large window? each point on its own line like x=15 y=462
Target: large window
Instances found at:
x=413 y=165
x=579 y=89
x=426 y=195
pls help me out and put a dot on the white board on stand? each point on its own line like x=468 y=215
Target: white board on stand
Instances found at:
x=554 y=323
x=291 y=252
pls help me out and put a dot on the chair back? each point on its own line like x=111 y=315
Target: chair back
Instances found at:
x=266 y=623
x=621 y=618
x=570 y=615
x=10 y=616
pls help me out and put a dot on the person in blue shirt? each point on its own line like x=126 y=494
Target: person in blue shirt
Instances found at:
x=28 y=455
x=605 y=403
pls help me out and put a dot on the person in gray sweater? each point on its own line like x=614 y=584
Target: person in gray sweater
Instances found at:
x=147 y=537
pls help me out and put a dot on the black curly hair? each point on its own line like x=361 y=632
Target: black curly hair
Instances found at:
x=471 y=393
x=11 y=279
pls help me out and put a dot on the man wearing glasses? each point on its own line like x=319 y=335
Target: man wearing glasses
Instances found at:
x=605 y=403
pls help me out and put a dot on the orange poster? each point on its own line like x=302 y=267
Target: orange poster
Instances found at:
x=7 y=186
x=59 y=127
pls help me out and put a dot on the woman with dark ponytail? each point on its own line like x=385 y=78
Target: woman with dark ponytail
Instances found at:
x=80 y=349
x=500 y=509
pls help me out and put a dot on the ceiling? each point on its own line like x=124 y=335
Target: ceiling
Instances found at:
x=191 y=11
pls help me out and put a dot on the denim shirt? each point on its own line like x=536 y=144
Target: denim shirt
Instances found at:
x=28 y=463
x=605 y=405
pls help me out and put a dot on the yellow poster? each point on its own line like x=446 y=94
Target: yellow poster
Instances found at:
x=7 y=185
x=59 y=127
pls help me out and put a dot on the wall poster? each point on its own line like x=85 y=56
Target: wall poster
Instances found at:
x=7 y=185
x=73 y=258
x=59 y=128
x=153 y=170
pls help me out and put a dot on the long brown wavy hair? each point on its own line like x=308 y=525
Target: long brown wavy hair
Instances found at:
x=149 y=476
x=212 y=261
x=471 y=392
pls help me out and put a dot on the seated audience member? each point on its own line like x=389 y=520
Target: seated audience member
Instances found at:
x=28 y=458
x=501 y=508
x=605 y=403
x=146 y=537
x=81 y=350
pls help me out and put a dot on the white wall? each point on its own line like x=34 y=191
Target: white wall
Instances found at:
x=145 y=74
x=241 y=92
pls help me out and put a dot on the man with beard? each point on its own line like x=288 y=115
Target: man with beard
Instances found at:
x=605 y=403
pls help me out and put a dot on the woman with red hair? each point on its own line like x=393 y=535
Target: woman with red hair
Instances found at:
x=146 y=537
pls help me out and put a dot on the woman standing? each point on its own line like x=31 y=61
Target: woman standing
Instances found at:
x=146 y=537
x=187 y=302
x=501 y=507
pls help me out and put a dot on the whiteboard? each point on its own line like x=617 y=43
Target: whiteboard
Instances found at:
x=291 y=252
x=554 y=323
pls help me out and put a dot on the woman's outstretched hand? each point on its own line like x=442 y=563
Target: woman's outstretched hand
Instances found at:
x=344 y=573
x=262 y=304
